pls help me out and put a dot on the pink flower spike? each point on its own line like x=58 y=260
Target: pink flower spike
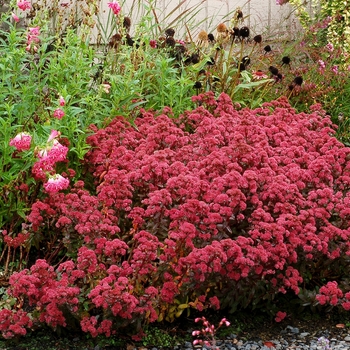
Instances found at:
x=34 y=31
x=21 y=141
x=62 y=101
x=53 y=135
x=15 y=17
x=58 y=113
x=24 y=5
x=114 y=5
x=56 y=183
x=106 y=88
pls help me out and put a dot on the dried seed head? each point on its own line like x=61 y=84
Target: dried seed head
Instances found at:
x=197 y=85
x=195 y=58
x=170 y=41
x=115 y=40
x=273 y=70
x=285 y=60
x=244 y=32
x=127 y=23
x=211 y=37
x=238 y=14
x=202 y=36
x=298 y=80
x=170 y=32
x=267 y=48
x=246 y=60
x=258 y=39
x=221 y=28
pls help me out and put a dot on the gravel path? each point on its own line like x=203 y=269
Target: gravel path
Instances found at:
x=290 y=338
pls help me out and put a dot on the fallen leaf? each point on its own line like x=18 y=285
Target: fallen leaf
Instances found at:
x=340 y=325
x=269 y=344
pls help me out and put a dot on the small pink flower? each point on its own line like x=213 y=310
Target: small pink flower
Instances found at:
x=33 y=38
x=106 y=87
x=114 y=5
x=330 y=47
x=21 y=141
x=280 y=316
x=24 y=5
x=53 y=135
x=335 y=69
x=62 y=101
x=321 y=65
x=153 y=44
x=56 y=183
x=34 y=31
x=58 y=113
x=15 y=17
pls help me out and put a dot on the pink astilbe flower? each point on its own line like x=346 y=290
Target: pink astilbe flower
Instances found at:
x=114 y=6
x=24 y=5
x=56 y=183
x=21 y=141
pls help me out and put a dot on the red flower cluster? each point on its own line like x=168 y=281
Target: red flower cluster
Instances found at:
x=242 y=199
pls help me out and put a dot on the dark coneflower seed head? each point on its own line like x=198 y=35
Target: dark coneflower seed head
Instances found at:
x=211 y=37
x=257 y=39
x=170 y=32
x=246 y=60
x=236 y=32
x=291 y=87
x=195 y=58
x=115 y=39
x=127 y=22
x=202 y=71
x=197 y=85
x=241 y=67
x=279 y=76
x=285 y=60
x=239 y=15
x=129 y=40
x=273 y=70
x=244 y=32
x=267 y=48
x=298 y=80
x=170 y=41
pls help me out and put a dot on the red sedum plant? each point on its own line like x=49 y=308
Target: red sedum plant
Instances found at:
x=220 y=208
